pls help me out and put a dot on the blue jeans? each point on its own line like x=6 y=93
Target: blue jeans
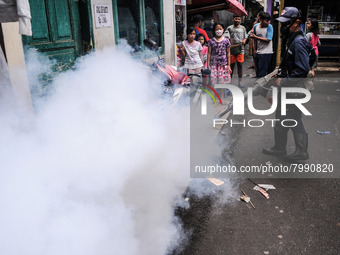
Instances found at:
x=262 y=64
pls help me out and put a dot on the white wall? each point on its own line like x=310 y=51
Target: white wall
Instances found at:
x=169 y=31
x=103 y=37
x=16 y=64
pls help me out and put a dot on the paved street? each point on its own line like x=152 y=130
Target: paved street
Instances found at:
x=324 y=149
x=302 y=216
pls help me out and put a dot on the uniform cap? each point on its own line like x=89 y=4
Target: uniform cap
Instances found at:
x=289 y=13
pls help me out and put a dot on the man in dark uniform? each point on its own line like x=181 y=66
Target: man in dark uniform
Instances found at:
x=294 y=68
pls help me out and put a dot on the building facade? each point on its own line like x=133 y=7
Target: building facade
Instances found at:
x=65 y=30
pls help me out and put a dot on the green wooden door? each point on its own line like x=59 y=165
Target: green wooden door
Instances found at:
x=56 y=30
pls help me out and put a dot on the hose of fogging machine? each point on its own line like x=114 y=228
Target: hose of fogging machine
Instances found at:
x=229 y=107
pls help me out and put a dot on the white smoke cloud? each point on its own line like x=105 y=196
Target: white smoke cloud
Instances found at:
x=99 y=168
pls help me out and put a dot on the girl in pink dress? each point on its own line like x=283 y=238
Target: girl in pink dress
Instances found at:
x=201 y=40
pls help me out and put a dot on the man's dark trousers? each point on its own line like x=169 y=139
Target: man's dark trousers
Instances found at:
x=262 y=64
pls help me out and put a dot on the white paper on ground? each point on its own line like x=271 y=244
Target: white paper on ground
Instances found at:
x=215 y=181
x=264 y=186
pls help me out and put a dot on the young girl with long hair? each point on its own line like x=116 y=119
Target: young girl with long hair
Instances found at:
x=191 y=49
x=313 y=38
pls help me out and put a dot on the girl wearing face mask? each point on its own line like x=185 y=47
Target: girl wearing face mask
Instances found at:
x=191 y=49
x=219 y=56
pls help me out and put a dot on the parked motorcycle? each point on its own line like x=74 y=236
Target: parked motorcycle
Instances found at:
x=176 y=83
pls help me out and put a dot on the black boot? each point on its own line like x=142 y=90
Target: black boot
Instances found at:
x=301 y=144
x=279 y=148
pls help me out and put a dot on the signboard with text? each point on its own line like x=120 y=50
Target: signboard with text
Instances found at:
x=102 y=15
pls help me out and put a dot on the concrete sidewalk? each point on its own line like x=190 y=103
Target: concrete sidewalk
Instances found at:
x=328 y=66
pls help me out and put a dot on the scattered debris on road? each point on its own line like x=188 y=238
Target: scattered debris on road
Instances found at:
x=323 y=132
x=260 y=188
x=265 y=186
x=246 y=199
x=215 y=181
x=264 y=193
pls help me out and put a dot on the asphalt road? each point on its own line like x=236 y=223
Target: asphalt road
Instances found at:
x=302 y=216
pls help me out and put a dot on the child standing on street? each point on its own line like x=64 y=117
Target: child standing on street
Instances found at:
x=238 y=37
x=313 y=38
x=201 y=40
x=191 y=49
x=263 y=35
x=252 y=49
x=219 y=56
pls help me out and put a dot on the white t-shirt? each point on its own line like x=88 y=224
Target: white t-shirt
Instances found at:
x=192 y=57
x=266 y=32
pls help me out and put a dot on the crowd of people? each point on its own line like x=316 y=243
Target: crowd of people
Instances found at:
x=221 y=52
x=226 y=47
